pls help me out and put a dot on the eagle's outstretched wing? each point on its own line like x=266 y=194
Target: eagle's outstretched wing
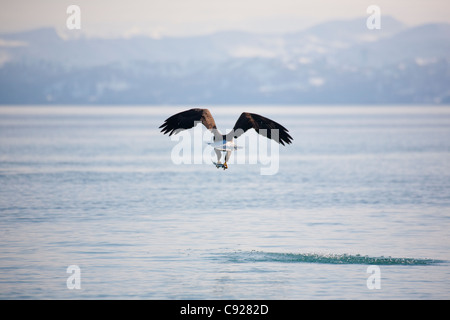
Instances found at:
x=187 y=119
x=263 y=126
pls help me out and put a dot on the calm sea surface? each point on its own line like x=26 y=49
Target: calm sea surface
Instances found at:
x=98 y=188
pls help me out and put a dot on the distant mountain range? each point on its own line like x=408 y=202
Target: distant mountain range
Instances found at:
x=339 y=62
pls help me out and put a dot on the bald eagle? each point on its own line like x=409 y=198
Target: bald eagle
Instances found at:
x=224 y=142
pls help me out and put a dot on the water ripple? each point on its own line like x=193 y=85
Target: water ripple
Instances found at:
x=259 y=256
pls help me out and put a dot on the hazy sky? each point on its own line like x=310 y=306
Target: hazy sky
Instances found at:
x=185 y=17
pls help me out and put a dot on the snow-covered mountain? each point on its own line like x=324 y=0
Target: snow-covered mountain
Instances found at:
x=334 y=62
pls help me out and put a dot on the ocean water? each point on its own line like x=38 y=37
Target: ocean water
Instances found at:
x=361 y=197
